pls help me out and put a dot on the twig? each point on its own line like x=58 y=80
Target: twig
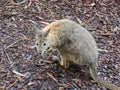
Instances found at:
x=102 y=50
x=66 y=85
x=20 y=74
x=31 y=83
x=38 y=17
x=46 y=23
x=30 y=2
x=80 y=22
x=7 y=56
x=12 y=44
x=27 y=75
x=107 y=34
x=83 y=24
x=33 y=22
x=75 y=85
x=19 y=3
x=52 y=77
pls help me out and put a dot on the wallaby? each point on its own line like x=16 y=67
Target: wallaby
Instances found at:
x=74 y=43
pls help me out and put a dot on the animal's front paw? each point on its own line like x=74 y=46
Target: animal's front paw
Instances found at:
x=64 y=63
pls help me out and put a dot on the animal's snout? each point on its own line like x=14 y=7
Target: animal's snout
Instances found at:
x=40 y=52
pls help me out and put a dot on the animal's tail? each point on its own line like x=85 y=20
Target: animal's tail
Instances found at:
x=101 y=82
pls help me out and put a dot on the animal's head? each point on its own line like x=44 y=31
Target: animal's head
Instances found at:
x=42 y=40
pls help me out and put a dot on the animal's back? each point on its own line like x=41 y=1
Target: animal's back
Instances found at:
x=73 y=40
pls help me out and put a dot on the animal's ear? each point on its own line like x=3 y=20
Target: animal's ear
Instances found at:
x=45 y=32
x=38 y=32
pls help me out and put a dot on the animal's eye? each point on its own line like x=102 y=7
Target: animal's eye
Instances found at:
x=44 y=44
x=37 y=44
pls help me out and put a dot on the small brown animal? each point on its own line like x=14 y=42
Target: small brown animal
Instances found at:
x=74 y=43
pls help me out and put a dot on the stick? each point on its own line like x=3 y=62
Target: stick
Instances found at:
x=106 y=34
x=102 y=50
x=21 y=38
x=80 y=22
x=44 y=22
x=83 y=24
x=75 y=86
x=7 y=56
x=52 y=77
x=13 y=43
x=27 y=74
x=19 y=3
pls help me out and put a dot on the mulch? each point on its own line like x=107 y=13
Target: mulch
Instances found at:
x=20 y=66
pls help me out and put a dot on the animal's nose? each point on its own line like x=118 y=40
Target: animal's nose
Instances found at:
x=40 y=53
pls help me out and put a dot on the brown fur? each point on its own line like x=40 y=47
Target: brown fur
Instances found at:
x=74 y=43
